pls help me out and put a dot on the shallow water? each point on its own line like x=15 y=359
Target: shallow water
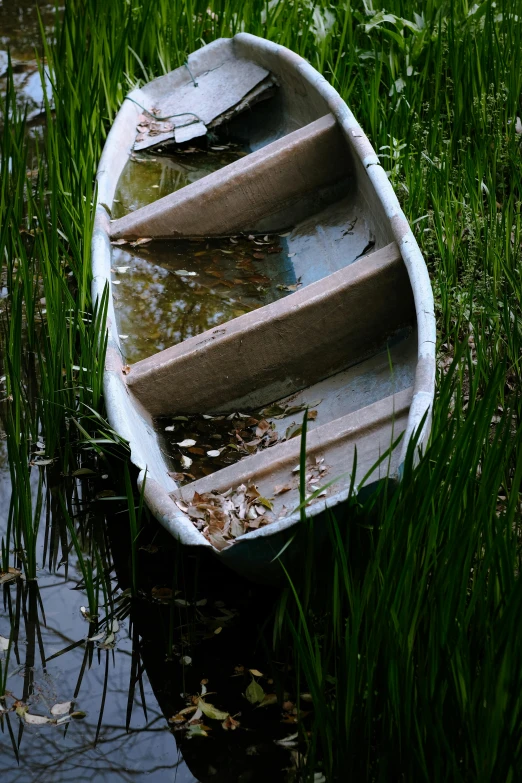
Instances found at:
x=149 y=176
x=166 y=292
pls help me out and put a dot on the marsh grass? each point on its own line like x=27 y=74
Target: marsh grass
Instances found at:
x=414 y=665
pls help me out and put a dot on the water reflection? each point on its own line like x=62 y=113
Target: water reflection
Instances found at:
x=46 y=619
x=165 y=292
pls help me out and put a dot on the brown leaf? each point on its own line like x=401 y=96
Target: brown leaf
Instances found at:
x=230 y=723
x=262 y=428
x=9 y=576
x=280 y=488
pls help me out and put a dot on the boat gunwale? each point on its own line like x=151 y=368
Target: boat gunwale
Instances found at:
x=132 y=424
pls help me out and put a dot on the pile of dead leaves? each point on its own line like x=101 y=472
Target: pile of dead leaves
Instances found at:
x=222 y=517
x=149 y=126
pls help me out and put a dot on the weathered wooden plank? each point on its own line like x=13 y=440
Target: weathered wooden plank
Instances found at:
x=281 y=183
x=287 y=345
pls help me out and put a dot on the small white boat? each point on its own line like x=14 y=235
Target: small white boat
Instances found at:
x=353 y=341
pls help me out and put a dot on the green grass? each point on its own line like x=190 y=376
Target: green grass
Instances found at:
x=414 y=667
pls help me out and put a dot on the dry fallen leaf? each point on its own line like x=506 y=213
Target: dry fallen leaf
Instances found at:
x=9 y=576
x=230 y=724
x=280 y=488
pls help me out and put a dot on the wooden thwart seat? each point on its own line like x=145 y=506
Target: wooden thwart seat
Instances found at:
x=268 y=190
x=373 y=429
x=287 y=345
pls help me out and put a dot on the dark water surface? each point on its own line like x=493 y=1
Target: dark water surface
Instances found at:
x=45 y=615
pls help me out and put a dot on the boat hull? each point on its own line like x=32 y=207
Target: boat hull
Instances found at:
x=304 y=97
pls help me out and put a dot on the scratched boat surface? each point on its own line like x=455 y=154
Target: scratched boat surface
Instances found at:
x=354 y=340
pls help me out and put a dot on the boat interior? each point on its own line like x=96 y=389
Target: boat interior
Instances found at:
x=334 y=327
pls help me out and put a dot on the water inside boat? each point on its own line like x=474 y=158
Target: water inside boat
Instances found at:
x=149 y=176
x=166 y=292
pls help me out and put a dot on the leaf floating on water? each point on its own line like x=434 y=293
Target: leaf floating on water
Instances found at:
x=214 y=453
x=84 y=472
x=162 y=594
x=185 y=273
x=269 y=700
x=121 y=269
x=230 y=724
x=212 y=712
x=120 y=242
x=186 y=443
x=36 y=720
x=196 y=730
x=63 y=708
x=254 y=693
x=288 y=742
x=186 y=462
